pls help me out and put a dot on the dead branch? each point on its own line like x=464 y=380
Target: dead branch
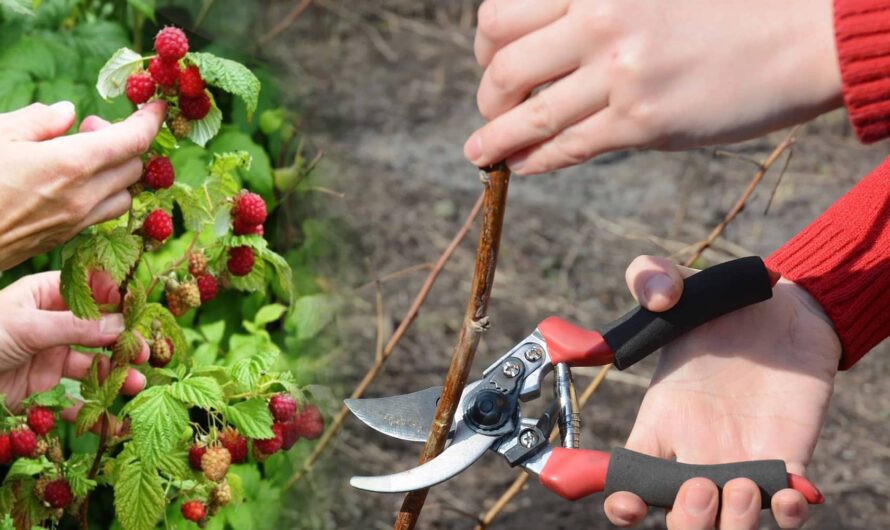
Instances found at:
x=289 y=19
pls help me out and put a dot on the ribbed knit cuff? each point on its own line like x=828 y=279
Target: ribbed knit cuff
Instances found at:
x=862 y=30
x=843 y=260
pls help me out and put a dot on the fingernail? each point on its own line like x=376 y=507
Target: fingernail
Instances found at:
x=473 y=148
x=738 y=501
x=111 y=324
x=659 y=285
x=516 y=165
x=698 y=499
x=63 y=107
x=791 y=509
x=141 y=378
x=622 y=514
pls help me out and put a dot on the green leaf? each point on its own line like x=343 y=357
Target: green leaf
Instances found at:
x=205 y=129
x=75 y=287
x=19 y=7
x=230 y=76
x=113 y=76
x=112 y=385
x=138 y=495
x=159 y=420
x=54 y=398
x=174 y=464
x=16 y=90
x=116 y=252
x=254 y=281
x=30 y=54
x=249 y=370
x=169 y=327
x=134 y=304
x=269 y=313
x=228 y=163
x=87 y=417
x=164 y=143
x=282 y=273
x=202 y=392
x=77 y=470
x=312 y=313
x=252 y=418
x=30 y=467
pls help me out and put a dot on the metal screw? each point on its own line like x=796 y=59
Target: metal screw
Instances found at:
x=528 y=438
x=511 y=369
x=534 y=354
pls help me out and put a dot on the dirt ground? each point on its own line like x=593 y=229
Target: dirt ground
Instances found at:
x=390 y=87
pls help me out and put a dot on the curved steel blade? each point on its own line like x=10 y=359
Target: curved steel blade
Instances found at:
x=467 y=447
x=407 y=417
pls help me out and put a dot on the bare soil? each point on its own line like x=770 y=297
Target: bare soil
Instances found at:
x=389 y=92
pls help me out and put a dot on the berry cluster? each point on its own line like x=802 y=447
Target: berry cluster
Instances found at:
x=248 y=215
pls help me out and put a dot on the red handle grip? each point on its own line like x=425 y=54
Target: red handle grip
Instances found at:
x=574 y=345
x=575 y=473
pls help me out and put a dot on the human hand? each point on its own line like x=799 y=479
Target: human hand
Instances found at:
x=754 y=384
x=645 y=74
x=53 y=186
x=37 y=331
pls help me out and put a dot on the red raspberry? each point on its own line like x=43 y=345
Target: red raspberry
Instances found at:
x=159 y=173
x=241 y=260
x=5 y=449
x=194 y=510
x=171 y=44
x=158 y=225
x=235 y=443
x=196 y=453
x=160 y=353
x=58 y=493
x=215 y=463
x=165 y=74
x=195 y=108
x=140 y=88
x=23 y=441
x=191 y=85
x=41 y=420
x=272 y=445
x=240 y=228
x=208 y=287
x=290 y=435
x=283 y=407
x=250 y=208
x=310 y=422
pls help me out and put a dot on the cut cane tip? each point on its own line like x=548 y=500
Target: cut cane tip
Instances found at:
x=810 y=492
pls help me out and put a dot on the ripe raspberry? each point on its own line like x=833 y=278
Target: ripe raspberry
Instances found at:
x=161 y=353
x=235 y=443
x=159 y=173
x=272 y=445
x=180 y=126
x=158 y=225
x=240 y=228
x=195 y=108
x=196 y=455
x=208 y=287
x=24 y=442
x=194 y=511
x=5 y=449
x=310 y=422
x=283 y=407
x=58 y=493
x=215 y=463
x=249 y=208
x=171 y=44
x=41 y=420
x=290 y=435
x=165 y=73
x=191 y=85
x=140 y=88
x=222 y=494
x=197 y=263
x=241 y=260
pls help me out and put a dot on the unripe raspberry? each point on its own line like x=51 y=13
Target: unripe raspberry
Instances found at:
x=189 y=293
x=54 y=452
x=197 y=263
x=310 y=422
x=290 y=435
x=165 y=74
x=23 y=441
x=196 y=454
x=41 y=448
x=6 y=454
x=283 y=407
x=272 y=445
x=158 y=225
x=41 y=420
x=58 y=494
x=240 y=228
x=208 y=287
x=161 y=353
x=241 y=260
x=191 y=85
x=171 y=44
x=140 y=88
x=222 y=494
x=194 y=511
x=235 y=443
x=195 y=108
x=215 y=463
x=180 y=126
x=159 y=173
x=250 y=208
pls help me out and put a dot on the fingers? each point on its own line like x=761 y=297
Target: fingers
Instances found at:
x=41 y=330
x=695 y=507
x=109 y=208
x=625 y=509
x=740 y=509
x=789 y=508
x=503 y=21
x=656 y=283
x=37 y=121
x=93 y=123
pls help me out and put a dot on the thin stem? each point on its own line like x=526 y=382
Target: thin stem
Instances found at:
x=173 y=266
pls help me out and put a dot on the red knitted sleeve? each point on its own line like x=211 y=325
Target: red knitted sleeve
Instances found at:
x=862 y=31
x=843 y=260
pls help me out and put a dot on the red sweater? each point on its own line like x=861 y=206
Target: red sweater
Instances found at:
x=843 y=257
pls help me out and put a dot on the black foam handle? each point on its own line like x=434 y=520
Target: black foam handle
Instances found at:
x=707 y=295
x=657 y=481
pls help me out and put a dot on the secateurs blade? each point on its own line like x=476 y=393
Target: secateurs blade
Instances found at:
x=489 y=416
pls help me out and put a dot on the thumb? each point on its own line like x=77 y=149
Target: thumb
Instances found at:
x=656 y=283
x=37 y=122
x=40 y=330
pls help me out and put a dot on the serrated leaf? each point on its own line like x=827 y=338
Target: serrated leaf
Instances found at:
x=174 y=464
x=138 y=496
x=134 y=304
x=312 y=313
x=229 y=162
x=202 y=392
x=54 y=398
x=248 y=371
x=268 y=314
x=230 y=76
x=205 y=129
x=76 y=471
x=30 y=466
x=87 y=417
x=165 y=143
x=75 y=288
x=113 y=76
x=116 y=252
x=252 y=418
x=283 y=274
x=112 y=385
x=158 y=422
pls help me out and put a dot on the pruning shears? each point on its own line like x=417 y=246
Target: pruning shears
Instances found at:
x=489 y=416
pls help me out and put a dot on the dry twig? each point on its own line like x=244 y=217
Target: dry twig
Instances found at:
x=285 y=22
